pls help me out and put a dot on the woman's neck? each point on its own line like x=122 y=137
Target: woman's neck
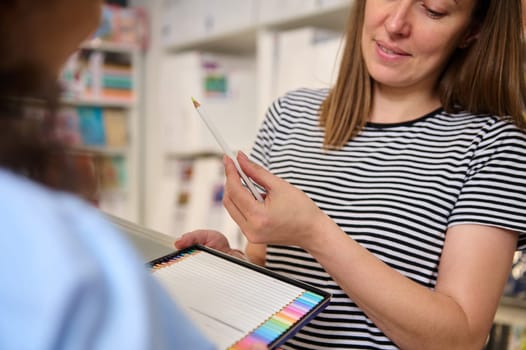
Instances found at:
x=394 y=105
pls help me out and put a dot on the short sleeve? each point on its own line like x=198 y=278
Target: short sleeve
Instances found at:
x=266 y=135
x=494 y=191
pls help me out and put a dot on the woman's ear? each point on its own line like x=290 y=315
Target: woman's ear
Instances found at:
x=471 y=36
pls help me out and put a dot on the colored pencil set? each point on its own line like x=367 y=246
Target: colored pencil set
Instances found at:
x=235 y=303
x=280 y=322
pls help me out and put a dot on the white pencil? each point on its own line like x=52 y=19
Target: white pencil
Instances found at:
x=227 y=150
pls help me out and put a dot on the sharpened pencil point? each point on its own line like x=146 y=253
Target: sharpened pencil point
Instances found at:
x=196 y=104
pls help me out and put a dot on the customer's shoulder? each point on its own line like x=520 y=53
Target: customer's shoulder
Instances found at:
x=19 y=191
x=24 y=199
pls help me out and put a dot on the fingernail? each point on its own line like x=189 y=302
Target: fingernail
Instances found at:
x=177 y=239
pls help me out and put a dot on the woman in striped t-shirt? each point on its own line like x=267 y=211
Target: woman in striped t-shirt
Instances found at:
x=402 y=189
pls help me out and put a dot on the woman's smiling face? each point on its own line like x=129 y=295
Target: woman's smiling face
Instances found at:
x=407 y=43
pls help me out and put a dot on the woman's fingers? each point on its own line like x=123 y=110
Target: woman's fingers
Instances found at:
x=189 y=239
x=257 y=173
x=234 y=188
x=209 y=238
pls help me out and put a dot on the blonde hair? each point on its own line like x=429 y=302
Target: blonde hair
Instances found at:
x=486 y=77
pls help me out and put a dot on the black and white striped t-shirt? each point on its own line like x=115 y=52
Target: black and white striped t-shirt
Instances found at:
x=395 y=189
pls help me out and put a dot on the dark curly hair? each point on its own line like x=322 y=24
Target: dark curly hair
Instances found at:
x=29 y=99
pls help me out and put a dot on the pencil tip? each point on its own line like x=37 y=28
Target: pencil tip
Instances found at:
x=196 y=104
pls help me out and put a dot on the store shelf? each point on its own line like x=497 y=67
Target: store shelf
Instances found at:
x=107 y=118
x=105 y=103
x=194 y=155
x=100 y=45
x=101 y=150
x=244 y=40
x=239 y=41
x=333 y=17
x=513 y=302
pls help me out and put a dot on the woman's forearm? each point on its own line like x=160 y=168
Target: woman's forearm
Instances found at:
x=411 y=315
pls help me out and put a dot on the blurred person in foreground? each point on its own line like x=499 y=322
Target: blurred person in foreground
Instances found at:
x=68 y=280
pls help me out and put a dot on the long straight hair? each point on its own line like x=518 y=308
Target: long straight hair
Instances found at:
x=346 y=108
x=485 y=77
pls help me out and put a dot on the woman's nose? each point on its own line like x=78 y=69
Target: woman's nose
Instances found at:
x=398 y=20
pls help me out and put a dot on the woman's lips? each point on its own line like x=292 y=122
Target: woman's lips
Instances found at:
x=391 y=50
x=390 y=54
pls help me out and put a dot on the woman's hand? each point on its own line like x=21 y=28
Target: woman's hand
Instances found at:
x=287 y=216
x=210 y=238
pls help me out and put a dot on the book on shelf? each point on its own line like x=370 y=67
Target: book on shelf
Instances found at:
x=91 y=126
x=88 y=126
x=97 y=75
x=116 y=128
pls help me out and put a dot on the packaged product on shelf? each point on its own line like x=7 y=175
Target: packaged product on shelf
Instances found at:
x=123 y=25
x=91 y=126
x=116 y=81
x=115 y=127
x=74 y=76
x=110 y=76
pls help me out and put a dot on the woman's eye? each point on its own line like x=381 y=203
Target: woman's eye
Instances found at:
x=434 y=14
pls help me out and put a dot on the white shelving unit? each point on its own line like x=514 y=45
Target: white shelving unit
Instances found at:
x=240 y=28
x=122 y=201
x=243 y=40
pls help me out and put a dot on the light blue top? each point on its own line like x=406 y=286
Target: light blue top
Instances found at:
x=68 y=280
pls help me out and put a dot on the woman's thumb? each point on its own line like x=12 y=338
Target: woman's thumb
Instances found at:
x=257 y=173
